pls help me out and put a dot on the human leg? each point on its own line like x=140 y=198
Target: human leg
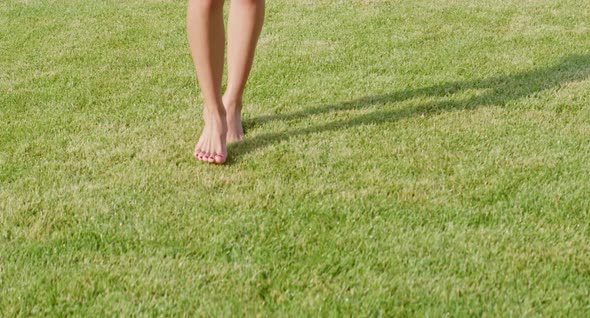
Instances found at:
x=244 y=26
x=206 y=36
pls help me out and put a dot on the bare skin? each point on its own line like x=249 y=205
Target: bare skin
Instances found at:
x=244 y=25
x=206 y=36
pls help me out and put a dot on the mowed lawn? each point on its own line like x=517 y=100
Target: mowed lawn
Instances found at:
x=419 y=158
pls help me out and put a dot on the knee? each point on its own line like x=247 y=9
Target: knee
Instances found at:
x=208 y=5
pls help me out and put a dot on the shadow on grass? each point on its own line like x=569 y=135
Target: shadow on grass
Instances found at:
x=499 y=90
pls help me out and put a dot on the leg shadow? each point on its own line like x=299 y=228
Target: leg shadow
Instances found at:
x=499 y=90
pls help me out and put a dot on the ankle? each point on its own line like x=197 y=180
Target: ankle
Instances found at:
x=214 y=114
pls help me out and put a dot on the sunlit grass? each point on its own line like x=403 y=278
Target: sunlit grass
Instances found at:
x=401 y=158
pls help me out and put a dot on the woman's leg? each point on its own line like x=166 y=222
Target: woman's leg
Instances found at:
x=204 y=20
x=245 y=23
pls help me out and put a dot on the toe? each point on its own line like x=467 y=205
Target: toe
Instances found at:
x=199 y=147
x=198 y=153
x=219 y=158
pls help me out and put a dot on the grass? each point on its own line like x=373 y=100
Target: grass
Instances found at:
x=403 y=158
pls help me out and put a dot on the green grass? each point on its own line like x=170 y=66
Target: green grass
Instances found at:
x=421 y=158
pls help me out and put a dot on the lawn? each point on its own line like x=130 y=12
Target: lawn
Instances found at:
x=402 y=158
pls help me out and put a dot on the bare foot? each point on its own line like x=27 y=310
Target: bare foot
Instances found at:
x=233 y=110
x=212 y=144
